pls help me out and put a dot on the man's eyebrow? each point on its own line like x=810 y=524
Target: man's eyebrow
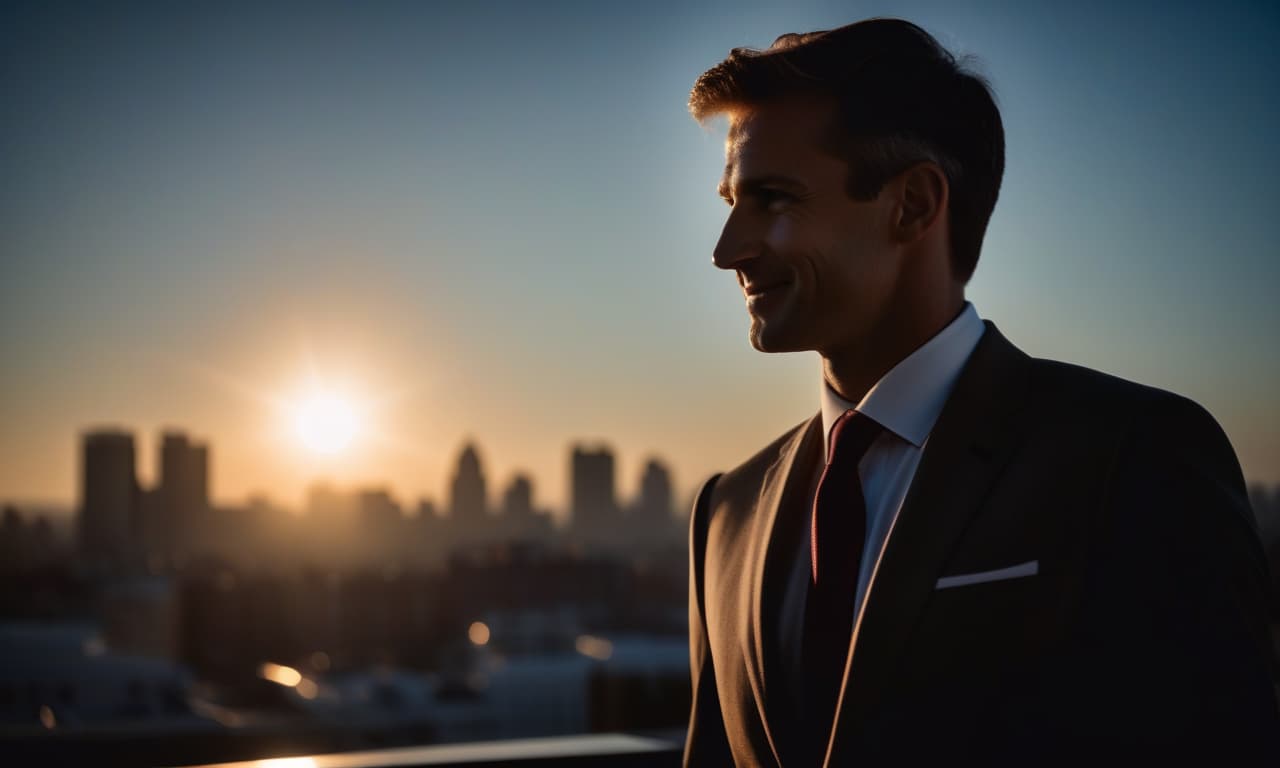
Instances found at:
x=756 y=183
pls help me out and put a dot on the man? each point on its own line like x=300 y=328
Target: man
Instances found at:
x=967 y=554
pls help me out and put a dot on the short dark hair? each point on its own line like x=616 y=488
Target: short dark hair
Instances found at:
x=901 y=99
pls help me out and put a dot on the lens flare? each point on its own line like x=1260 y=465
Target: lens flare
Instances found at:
x=325 y=423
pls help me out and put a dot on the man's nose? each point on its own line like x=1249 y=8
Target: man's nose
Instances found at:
x=737 y=243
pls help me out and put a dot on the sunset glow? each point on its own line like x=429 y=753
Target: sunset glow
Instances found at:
x=325 y=423
x=417 y=265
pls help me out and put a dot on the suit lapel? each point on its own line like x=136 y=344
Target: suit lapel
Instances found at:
x=783 y=492
x=969 y=445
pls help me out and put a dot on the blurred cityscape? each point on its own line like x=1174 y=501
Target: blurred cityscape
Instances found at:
x=154 y=627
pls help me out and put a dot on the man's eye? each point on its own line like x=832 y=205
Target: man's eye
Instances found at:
x=775 y=201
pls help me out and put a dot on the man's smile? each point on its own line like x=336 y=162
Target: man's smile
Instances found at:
x=761 y=297
x=759 y=288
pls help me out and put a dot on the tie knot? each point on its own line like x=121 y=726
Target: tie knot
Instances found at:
x=851 y=436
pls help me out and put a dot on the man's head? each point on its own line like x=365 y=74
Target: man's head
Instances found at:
x=862 y=166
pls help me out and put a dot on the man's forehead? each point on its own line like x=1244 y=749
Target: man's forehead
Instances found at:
x=775 y=134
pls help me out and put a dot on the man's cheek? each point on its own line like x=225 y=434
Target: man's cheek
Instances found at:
x=781 y=235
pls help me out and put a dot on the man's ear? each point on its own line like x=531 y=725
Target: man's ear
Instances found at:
x=923 y=193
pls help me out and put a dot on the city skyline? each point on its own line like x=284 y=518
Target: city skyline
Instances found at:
x=180 y=482
x=125 y=527
x=496 y=222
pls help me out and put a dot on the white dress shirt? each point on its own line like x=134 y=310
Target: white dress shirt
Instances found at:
x=906 y=401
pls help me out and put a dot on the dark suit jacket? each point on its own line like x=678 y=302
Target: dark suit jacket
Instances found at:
x=1144 y=635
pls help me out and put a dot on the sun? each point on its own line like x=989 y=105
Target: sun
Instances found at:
x=325 y=423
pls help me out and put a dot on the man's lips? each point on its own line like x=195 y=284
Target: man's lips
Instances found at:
x=758 y=289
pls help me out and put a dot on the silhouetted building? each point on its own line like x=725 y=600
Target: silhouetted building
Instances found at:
x=429 y=535
x=594 y=510
x=140 y=617
x=654 y=504
x=650 y=527
x=26 y=544
x=12 y=537
x=469 y=523
x=520 y=520
x=467 y=499
x=183 y=522
x=109 y=526
x=381 y=524
x=327 y=505
x=152 y=530
x=378 y=511
x=517 y=501
x=328 y=526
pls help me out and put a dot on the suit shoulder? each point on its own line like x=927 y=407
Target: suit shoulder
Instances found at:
x=1161 y=439
x=740 y=486
x=750 y=473
x=1076 y=384
x=1077 y=390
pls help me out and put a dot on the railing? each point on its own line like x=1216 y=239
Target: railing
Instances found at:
x=612 y=749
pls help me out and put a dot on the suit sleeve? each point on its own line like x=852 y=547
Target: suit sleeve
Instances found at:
x=706 y=743
x=1179 y=604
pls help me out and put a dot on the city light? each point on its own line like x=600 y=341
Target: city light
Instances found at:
x=94 y=646
x=307 y=688
x=595 y=647
x=478 y=633
x=278 y=673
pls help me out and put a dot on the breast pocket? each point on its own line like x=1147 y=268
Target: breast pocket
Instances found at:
x=984 y=623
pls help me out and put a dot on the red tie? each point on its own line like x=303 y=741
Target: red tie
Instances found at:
x=837 y=533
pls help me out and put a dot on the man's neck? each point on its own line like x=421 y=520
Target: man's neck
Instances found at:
x=851 y=372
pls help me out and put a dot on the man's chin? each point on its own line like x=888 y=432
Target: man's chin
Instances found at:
x=774 y=337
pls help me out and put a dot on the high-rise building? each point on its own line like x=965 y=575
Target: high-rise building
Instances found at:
x=594 y=505
x=12 y=537
x=198 y=455
x=26 y=544
x=467 y=500
x=517 y=501
x=378 y=510
x=428 y=534
x=427 y=511
x=650 y=525
x=654 y=503
x=329 y=506
x=520 y=519
x=183 y=494
x=380 y=537
x=109 y=525
x=330 y=524
x=152 y=533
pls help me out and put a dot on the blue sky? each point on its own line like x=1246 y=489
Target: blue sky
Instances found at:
x=495 y=221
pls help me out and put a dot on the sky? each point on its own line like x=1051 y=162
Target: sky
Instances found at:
x=494 y=222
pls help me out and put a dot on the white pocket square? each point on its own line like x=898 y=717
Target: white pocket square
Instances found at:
x=1030 y=568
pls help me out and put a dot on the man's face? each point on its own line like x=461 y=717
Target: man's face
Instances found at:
x=816 y=266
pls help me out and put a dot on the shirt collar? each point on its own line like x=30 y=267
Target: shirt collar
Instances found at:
x=908 y=399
